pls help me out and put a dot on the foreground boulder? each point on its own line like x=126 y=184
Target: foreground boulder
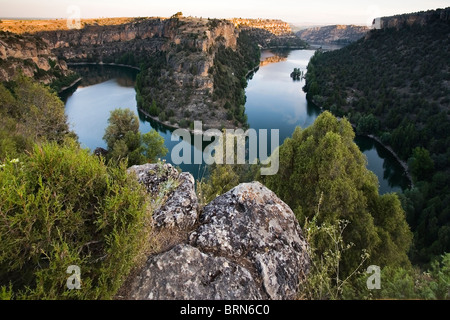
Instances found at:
x=252 y=226
x=177 y=202
x=185 y=273
x=245 y=245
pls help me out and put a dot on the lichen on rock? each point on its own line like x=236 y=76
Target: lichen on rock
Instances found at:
x=246 y=244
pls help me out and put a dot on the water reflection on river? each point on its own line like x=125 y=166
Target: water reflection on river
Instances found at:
x=274 y=101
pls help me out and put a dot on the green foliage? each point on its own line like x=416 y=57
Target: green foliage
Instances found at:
x=153 y=110
x=29 y=112
x=124 y=140
x=394 y=84
x=148 y=82
x=6 y=293
x=296 y=74
x=121 y=121
x=324 y=281
x=367 y=125
x=61 y=206
x=407 y=283
x=153 y=146
x=222 y=179
x=324 y=160
x=421 y=164
x=230 y=70
x=64 y=81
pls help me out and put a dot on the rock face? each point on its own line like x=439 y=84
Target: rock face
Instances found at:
x=181 y=204
x=270 y=34
x=185 y=273
x=336 y=34
x=419 y=18
x=251 y=225
x=246 y=244
x=31 y=56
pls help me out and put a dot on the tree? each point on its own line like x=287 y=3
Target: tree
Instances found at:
x=323 y=162
x=126 y=142
x=421 y=164
x=153 y=146
x=177 y=15
x=367 y=125
x=29 y=112
x=153 y=110
x=121 y=121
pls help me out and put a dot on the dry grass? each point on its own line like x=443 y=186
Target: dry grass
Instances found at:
x=33 y=26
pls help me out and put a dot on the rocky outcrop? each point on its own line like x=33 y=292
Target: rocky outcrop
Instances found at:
x=29 y=55
x=275 y=27
x=270 y=33
x=181 y=83
x=419 y=18
x=335 y=34
x=246 y=244
x=251 y=225
x=185 y=273
x=179 y=205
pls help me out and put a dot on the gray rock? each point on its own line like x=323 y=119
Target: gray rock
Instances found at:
x=185 y=273
x=252 y=226
x=249 y=244
x=175 y=191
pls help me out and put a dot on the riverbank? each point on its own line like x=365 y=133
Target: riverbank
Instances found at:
x=103 y=64
x=62 y=90
x=402 y=163
x=176 y=127
x=70 y=85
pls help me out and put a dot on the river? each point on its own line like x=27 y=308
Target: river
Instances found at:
x=274 y=101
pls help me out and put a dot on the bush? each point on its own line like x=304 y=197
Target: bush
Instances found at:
x=61 y=206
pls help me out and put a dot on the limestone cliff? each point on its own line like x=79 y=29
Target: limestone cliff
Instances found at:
x=31 y=56
x=419 y=18
x=335 y=34
x=275 y=27
x=270 y=33
x=181 y=81
x=244 y=245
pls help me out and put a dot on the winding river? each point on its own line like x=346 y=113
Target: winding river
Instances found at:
x=274 y=101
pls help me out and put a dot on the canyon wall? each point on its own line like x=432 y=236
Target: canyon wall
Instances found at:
x=335 y=34
x=31 y=56
x=270 y=34
x=420 y=18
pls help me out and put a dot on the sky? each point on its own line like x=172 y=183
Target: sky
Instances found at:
x=310 y=12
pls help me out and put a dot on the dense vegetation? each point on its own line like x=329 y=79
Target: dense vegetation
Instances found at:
x=29 y=113
x=395 y=85
x=230 y=75
x=323 y=164
x=126 y=143
x=62 y=206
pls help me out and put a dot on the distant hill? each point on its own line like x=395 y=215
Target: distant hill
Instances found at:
x=336 y=34
x=270 y=33
x=395 y=84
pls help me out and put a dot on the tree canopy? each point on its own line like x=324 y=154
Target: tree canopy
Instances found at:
x=125 y=141
x=322 y=166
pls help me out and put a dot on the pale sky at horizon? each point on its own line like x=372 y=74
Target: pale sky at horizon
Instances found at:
x=293 y=11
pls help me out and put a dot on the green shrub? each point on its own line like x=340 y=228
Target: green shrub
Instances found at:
x=61 y=206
